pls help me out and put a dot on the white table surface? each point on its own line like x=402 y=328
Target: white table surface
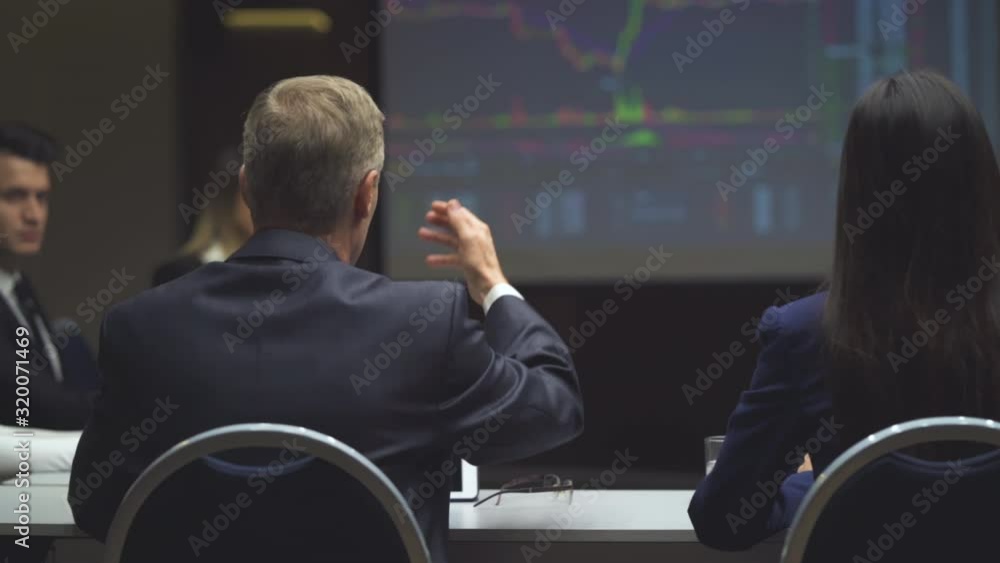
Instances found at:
x=50 y=513
x=593 y=515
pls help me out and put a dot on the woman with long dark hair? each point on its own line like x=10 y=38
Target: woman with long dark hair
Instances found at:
x=908 y=328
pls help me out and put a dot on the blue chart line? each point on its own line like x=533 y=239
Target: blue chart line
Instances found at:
x=959 y=21
x=763 y=203
x=988 y=50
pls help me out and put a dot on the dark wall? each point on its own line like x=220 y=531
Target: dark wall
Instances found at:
x=113 y=210
x=632 y=367
x=224 y=70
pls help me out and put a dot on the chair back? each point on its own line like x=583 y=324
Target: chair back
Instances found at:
x=353 y=502
x=874 y=503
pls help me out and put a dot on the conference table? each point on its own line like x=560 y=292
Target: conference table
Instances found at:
x=594 y=526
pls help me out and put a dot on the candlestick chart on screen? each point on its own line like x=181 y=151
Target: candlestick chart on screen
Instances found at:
x=586 y=133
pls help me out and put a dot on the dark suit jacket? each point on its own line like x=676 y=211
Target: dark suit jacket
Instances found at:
x=175 y=268
x=51 y=404
x=785 y=414
x=284 y=332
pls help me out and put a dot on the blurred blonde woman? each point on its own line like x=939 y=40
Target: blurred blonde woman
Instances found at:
x=219 y=229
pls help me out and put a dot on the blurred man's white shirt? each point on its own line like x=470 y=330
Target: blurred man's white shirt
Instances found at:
x=49 y=451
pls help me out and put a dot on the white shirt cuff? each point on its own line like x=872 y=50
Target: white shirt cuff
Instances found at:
x=498 y=291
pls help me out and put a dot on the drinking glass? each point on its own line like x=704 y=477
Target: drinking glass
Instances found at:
x=713 y=445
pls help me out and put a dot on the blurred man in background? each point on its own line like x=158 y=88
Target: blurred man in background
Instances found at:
x=60 y=377
x=49 y=375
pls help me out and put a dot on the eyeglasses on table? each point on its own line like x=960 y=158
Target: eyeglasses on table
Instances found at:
x=548 y=482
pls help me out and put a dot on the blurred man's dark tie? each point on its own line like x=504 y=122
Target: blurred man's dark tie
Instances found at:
x=28 y=303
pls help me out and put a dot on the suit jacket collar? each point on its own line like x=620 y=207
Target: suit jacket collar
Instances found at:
x=287 y=245
x=9 y=323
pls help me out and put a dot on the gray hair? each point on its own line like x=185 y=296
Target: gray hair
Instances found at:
x=307 y=144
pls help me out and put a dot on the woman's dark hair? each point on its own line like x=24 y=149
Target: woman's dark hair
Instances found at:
x=911 y=317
